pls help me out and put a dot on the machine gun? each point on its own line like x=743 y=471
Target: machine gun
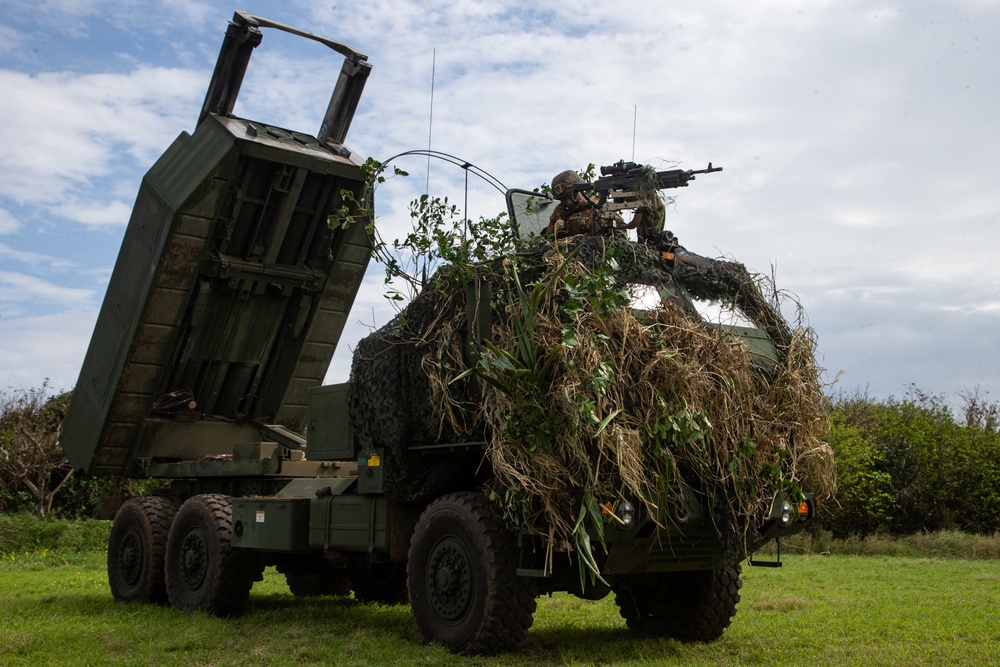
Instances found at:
x=625 y=182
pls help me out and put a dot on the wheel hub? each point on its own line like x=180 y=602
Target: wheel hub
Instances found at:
x=130 y=559
x=193 y=560
x=449 y=579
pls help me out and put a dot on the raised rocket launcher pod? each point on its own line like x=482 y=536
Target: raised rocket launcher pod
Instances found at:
x=231 y=290
x=227 y=301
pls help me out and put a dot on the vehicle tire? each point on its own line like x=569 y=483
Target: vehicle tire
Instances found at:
x=463 y=587
x=136 y=549
x=384 y=583
x=688 y=606
x=326 y=579
x=204 y=571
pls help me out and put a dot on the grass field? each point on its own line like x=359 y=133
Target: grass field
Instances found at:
x=55 y=609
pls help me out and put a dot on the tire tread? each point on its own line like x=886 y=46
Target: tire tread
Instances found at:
x=698 y=609
x=510 y=608
x=155 y=515
x=235 y=572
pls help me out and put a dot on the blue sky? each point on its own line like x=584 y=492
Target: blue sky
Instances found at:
x=859 y=140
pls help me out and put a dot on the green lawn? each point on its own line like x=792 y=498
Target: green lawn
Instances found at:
x=55 y=609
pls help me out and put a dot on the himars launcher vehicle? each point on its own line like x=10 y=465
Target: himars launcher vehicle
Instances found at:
x=227 y=301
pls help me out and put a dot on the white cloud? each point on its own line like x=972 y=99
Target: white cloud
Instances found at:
x=73 y=17
x=33 y=258
x=191 y=12
x=62 y=131
x=288 y=90
x=79 y=9
x=93 y=214
x=40 y=347
x=849 y=157
x=11 y=41
x=8 y=223
x=19 y=290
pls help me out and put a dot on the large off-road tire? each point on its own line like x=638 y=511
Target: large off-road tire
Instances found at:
x=384 y=583
x=136 y=549
x=323 y=579
x=688 y=606
x=463 y=586
x=204 y=571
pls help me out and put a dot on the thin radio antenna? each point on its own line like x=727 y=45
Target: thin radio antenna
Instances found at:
x=635 y=116
x=430 y=122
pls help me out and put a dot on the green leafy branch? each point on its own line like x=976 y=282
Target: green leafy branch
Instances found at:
x=440 y=236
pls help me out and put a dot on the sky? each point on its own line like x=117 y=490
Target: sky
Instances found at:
x=860 y=143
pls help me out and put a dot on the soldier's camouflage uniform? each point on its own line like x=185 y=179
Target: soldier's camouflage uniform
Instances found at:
x=581 y=217
x=577 y=214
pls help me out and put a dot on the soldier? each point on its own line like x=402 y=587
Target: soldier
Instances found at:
x=575 y=213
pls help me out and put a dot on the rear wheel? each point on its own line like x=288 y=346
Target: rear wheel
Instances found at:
x=463 y=587
x=688 y=606
x=204 y=571
x=136 y=549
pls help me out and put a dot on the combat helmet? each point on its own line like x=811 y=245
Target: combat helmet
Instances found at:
x=562 y=184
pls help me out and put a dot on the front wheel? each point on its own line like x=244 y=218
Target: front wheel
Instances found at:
x=463 y=587
x=689 y=606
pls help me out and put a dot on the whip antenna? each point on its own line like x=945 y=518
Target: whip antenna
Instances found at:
x=430 y=122
x=635 y=116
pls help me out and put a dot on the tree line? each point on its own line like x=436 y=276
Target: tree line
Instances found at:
x=904 y=465
x=915 y=464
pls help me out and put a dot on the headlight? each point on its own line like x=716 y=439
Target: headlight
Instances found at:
x=621 y=513
x=787 y=517
x=787 y=513
x=626 y=512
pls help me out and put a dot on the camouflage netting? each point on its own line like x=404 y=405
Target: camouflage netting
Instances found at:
x=390 y=391
x=584 y=398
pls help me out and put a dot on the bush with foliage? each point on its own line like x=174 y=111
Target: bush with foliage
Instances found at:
x=32 y=466
x=20 y=533
x=35 y=476
x=914 y=465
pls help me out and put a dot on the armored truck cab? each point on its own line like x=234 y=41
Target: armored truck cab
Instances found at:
x=227 y=301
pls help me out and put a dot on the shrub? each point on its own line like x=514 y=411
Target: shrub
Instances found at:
x=26 y=532
x=909 y=466
x=32 y=466
x=35 y=476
